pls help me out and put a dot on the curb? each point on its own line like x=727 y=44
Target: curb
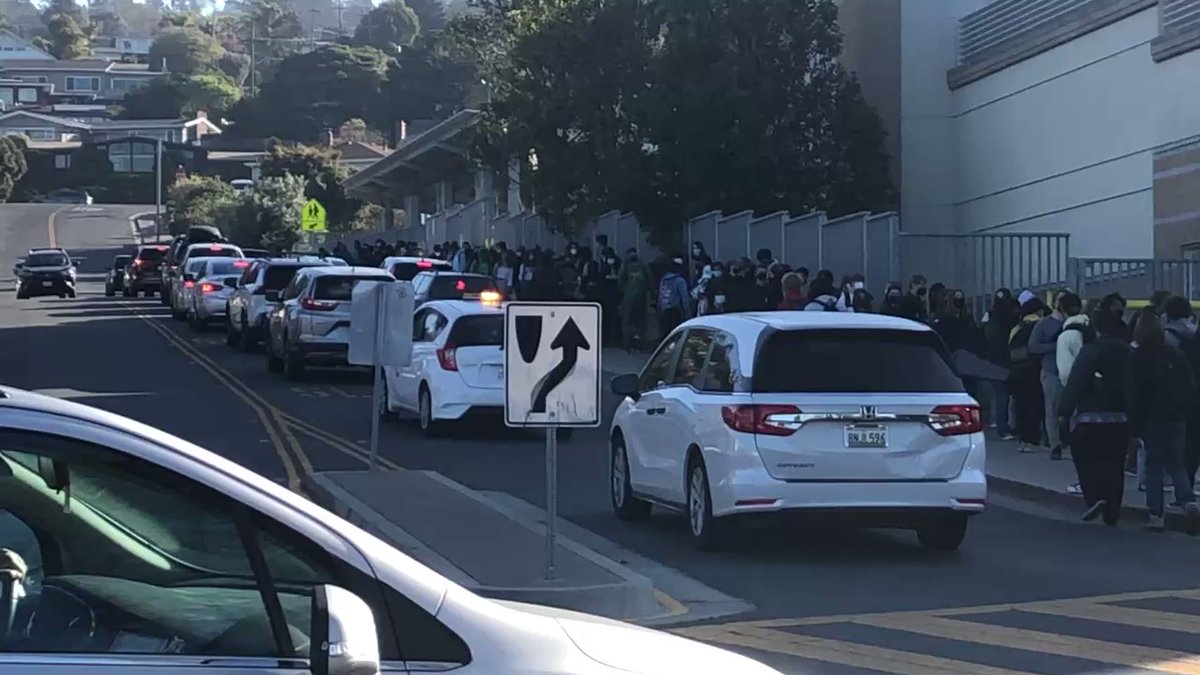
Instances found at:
x=633 y=597
x=1175 y=519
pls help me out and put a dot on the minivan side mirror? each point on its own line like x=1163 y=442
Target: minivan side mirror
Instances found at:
x=342 y=639
x=626 y=385
x=272 y=296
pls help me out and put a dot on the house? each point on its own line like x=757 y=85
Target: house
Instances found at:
x=39 y=126
x=122 y=48
x=17 y=94
x=13 y=46
x=81 y=79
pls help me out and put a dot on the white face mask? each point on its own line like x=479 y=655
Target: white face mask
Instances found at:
x=612 y=261
x=678 y=261
x=858 y=285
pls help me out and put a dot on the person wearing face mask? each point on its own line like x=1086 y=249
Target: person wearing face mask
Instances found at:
x=954 y=323
x=715 y=299
x=850 y=285
x=673 y=297
x=1179 y=331
x=633 y=283
x=914 y=303
x=700 y=259
x=893 y=300
x=739 y=286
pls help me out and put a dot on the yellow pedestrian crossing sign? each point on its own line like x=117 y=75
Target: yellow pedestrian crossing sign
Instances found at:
x=312 y=218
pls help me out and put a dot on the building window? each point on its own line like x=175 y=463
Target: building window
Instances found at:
x=27 y=95
x=36 y=79
x=62 y=161
x=83 y=83
x=33 y=134
x=6 y=97
x=124 y=84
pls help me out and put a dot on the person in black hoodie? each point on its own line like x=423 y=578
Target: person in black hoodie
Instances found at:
x=1095 y=401
x=1161 y=389
x=997 y=327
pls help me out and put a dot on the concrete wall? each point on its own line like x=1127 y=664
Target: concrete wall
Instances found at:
x=871 y=50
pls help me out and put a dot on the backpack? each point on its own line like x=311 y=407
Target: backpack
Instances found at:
x=667 y=297
x=1018 y=345
x=1088 y=332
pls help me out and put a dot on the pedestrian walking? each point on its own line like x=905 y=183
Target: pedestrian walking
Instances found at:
x=998 y=324
x=634 y=284
x=1024 y=371
x=1093 y=406
x=1043 y=346
x=672 y=297
x=1161 y=393
x=1180 y=333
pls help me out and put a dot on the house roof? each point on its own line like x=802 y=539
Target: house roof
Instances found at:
x=78 y=65
x=357 y=150
x=112 y=125
x=32 y=47
x=69 y=122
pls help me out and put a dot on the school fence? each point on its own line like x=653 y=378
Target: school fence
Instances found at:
x=1135 y=278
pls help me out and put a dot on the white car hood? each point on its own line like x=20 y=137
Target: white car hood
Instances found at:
x=643 y=651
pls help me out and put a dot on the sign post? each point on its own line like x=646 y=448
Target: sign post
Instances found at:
x=551 y=380
x=381 y=316
x=312 y=221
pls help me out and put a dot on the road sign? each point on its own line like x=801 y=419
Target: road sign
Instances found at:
x=552 y=364
x=312 y=217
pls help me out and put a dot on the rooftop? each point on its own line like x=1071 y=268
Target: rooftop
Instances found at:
x=90 y=65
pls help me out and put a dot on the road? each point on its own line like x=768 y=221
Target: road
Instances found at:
x=1032 y=591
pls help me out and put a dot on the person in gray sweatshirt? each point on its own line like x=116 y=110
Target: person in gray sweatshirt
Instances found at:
x=1043 y=344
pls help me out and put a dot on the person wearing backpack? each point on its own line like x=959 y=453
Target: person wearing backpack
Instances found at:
x=1024 y=370
x=1093 y=406
x=1180 y=333
x=1077 y=331
x=1161 y=394
x=673 y=297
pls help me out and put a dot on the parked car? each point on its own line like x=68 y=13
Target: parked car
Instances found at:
x=311 y=325
x=246 y=316
x=114 y=278
x=45 y=271
x=457 y=365
x=148 y=554
x=855 y=417
x=174 y=277
x=142 y=275
x=439 y=285
x=406 y=268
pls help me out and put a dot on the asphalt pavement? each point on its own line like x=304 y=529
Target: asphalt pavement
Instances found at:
x=1031 y=591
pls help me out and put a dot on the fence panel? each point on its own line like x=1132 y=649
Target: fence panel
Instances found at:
x=767 y=232
x=733 y=235
x=802 y=241
x=704 y=230
x=1136 y=278
x=880 y=267
x=980 y=263
x=843 y=241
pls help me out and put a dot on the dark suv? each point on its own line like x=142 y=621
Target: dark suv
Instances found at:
x=46 y=272
x=142 y=273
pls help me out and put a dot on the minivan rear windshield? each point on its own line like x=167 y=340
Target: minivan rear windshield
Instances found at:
x=405 y=271
x=486 y=330
x=853 y=361
x=340 y=288
x=447 y=287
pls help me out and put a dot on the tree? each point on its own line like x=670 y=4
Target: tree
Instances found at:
x=68 y=36
x=323 y=176
x=431 y=14
x=273 y=24
x=268 y=214
x=177 y=95
x=428 y=80
x=185 y=50
x=390 y=25
x=674 y=108
x=313 y=93
x=197 y=200
x=12 y=164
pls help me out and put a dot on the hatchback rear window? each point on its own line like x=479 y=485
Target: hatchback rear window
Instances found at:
x=339 y=288
x=151 y=254
x=853 y=361
x=278 y=276
x=454 y=288
x=405 y=271
x=217 y=253
x=478 y=331
x=217 y=267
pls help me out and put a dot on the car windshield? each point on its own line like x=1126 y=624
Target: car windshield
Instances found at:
x=453 y=287
x=46 y=260
x=406 y=271
x=151 y=254
x=478 y=331
x=843 y=361
x=339 y=288
x=216 y=267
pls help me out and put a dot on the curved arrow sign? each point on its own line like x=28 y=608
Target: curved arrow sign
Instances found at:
x=552 y=364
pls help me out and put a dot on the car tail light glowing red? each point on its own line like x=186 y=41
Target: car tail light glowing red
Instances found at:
x=460 y=286
x=161 y=248
x=757 y=419
x=447 y=358
x=138 y=263
x=956 y=420
x=241 y=264
x=424 y=264
x=209 y=288
x=318 y=305
x=189 y=284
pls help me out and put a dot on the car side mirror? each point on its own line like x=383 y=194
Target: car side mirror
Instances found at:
x=272 y=296
x=342 y=639
x=626 y=385
x=231 y=283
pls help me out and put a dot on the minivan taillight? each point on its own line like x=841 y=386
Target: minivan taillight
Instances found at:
x=761 y=419
x=447 y=358
x=318 y=305
x=956 y=420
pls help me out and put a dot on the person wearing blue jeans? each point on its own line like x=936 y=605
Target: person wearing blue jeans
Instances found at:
x=1161 y=390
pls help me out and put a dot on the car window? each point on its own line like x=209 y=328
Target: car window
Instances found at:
x=278 y=276
x=194 y=267
x=692 y=357
x=453 y=287
x=407 y=271
x=152 y=253
x=339 y=288
x=659 y=368
x=46 y=260
x=292 y=290
x=719 y=373
x=486 y=330
x=421 y=284
x=221 y=267
x=836 y=361
x=429 y=325
x=120 y=261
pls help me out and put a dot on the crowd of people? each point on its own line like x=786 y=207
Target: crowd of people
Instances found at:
x=1063 y=377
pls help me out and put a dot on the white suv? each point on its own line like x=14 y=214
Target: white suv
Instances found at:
x=832 y=415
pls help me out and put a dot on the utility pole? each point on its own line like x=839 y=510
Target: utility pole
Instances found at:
x=253 y=63
x=338 y=4
x=312 y=33
x=158 y=162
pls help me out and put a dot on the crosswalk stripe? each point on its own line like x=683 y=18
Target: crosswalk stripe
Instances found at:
x=1148 y=658
x=845 y=653
x=1130 y=616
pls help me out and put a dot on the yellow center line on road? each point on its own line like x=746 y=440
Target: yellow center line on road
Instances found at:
x=52 y=227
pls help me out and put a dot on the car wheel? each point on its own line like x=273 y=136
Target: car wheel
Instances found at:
x=274 y=363
x=246 y=339
x=293 y=363
x=943 y=535
x=429 y=426
x=126 y=293
x=708 y=533
x=108 y=291
x=231 y=337
x=624 y=504
x=22 y=295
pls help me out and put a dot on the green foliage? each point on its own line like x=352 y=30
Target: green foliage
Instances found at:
x=197 y=200
x=428 y=80
x=390 y=25
x=268 y=214
x=674 y=108
x=12 y=164
x=312 y=93
x=431 y=14
x=235 y=66
x=272 y=23
x=69 y=36
x=177 y=95
x=186 y=50
x=322 y=175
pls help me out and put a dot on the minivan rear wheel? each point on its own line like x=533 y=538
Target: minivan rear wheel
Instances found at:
x=625 y=505
x=944 y=534
x=708 y=533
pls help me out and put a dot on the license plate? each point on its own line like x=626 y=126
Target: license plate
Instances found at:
x=866 y=436
x=47 y=284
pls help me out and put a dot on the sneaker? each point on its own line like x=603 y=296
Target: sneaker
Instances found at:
x=992 y=425
x=1192 y=513
x=1155 y=524
x=1095 y=511
x=1026 y=448
x=1141 y=487
x=1074 y=489
x=1056 y=454
x=1007 y=437
x=1132 y=473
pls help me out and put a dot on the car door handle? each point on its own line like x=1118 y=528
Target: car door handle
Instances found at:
x=656 y=411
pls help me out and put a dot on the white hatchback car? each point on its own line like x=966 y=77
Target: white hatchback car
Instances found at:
x=126 y=550
x=457 y=365
x=831 y=415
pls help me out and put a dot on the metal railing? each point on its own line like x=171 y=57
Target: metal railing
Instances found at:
x=1135 y=278
x=978 y=264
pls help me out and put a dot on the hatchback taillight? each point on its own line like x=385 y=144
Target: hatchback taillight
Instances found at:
x=956 y=420
x=447 y=358
x=769 y=420
x=209 y=288
x=318 y=305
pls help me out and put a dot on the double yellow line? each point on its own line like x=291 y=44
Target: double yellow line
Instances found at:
x=281 y=426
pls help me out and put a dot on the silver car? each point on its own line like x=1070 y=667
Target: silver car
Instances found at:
x=312 y=322
x=208 y=298
x=188 y=284
x=173 y=275
x=246 y=315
